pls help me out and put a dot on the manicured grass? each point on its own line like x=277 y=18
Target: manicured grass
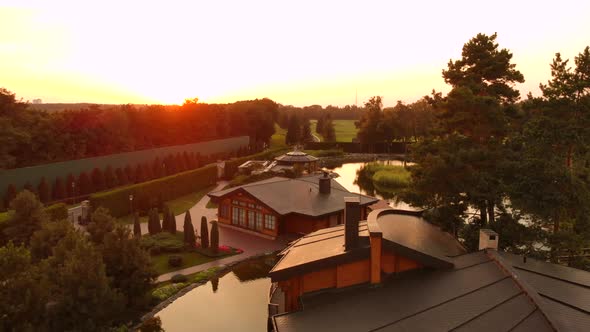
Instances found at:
x=278 y=139
x=344 y=129
x=178 y=206
x=388 y=177
x=189 y=259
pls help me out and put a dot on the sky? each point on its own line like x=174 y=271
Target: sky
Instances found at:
x=294 y=52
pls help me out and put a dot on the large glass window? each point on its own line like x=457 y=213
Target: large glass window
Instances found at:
x=258 y=221
x=269 y=221
x=242 y=217
x=251 y=219
x=224 y=210
x=234 y=215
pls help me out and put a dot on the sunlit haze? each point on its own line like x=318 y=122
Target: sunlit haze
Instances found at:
x=298 y=52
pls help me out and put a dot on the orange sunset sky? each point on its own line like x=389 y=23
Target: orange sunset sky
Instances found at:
x=294 y=52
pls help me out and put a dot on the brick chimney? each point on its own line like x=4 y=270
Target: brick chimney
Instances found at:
x=488 y=239
x=325 y=185
x=352 y=216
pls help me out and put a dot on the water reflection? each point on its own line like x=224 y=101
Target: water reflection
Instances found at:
x=237 y=301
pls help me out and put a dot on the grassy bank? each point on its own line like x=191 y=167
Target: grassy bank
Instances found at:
x=386 y=177
x=345 y=130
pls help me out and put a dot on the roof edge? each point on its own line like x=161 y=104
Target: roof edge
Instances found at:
x=530 y=292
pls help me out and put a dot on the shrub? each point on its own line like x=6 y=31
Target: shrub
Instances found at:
x=57 y=211
x=162 y=242
x=10 y=195
x=109 y=178
x=153 y=324
x=154 y=222
x=136 y=226
x=170 y=187
x=44 y=191
x=172 y=223
x=84 y=186
x=178 y=278
x=59 y=191
x=98 y=181
x=165 y=292
x=189 y=230
x=174 y=261
x=214 y=236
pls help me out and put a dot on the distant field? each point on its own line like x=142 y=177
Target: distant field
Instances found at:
x=345 y=129
x=278 y=139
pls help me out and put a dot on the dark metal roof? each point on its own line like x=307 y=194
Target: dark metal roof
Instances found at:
x=296 y=157
x=476 y=295
x=300 y=195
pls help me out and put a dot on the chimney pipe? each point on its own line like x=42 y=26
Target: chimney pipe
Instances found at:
x=352 y=216
x=488 y=239
x=325 y=185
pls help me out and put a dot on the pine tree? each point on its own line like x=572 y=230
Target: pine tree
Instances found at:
x=43 y=189
x=154 y=226
x=172 y=223
x=109 y=178
x=10 y=194
x=29 y=187
x=84 y=185
x=136 y=226
x=98 y=181
x=189 y=230
x=157 y=168
x=204 y=233
x=130 y=174
x=59 y=192
x=70 y=189
x=293 y=131
x=139 y=176
x=214 y=236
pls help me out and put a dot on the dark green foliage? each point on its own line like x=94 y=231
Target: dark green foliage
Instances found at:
x=117 y=201
x=189 y=230
x=214 y=236
x=139 y=174
x=45 y=239
x=174 y=261
x=44 y=190
x=26 y=219
x=130 y=174
x=10 y=195
x=166 y=219
x=59 y=190
x=29 y=187
x=98 y=180
x=178 y=278
x=101 y=223
x=154 y=226
x=162 y=242
x=136 y=226
x=204 y=233
x=110 y=180
x=293 y=135
x=157 y=168
x=84 y=185
x=121 y=177
x=57 y=211
x=152 y=324
x=69 y=188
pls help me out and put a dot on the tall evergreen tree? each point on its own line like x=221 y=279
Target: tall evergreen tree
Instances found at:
x=189 y=230
x=84 y=185
x=293 y=135
x=204 y=233
x=136 y=226
x=98 y=180
x=59 y=191
x=43 y=190
x=10 y=194
x=172 y=223
x=214 y=236
x=110 y=180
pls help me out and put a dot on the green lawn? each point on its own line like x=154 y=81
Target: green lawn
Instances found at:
x=189 y=259
x=178 y=206
x=344 y=129
x=278 y=139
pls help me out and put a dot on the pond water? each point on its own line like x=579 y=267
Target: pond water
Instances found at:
x=348 y=178
x=238 y=301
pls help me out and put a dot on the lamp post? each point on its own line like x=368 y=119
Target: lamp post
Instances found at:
x=74 y=191
x=131 y=203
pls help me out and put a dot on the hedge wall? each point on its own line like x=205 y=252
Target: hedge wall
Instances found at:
x=166 y=188
x=231 y=166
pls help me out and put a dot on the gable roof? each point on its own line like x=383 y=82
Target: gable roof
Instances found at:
x=300 y=195
x=485 y=291
x=403 y=232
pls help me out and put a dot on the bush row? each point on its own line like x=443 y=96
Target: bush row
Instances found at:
x=162 y=189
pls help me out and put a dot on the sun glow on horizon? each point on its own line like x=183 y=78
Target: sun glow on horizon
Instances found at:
x=294 y=53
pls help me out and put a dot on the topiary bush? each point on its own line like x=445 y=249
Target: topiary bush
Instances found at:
x=175 y=261
x=177 y=278
x=162 y=242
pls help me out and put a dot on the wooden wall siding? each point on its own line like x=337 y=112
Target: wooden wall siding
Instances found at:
x=391 y=263
x=248 y=199
x=298 y=224
x=353 y=273
x=317 y=280
x=376 y=253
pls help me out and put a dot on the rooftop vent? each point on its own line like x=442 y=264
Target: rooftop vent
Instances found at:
x=325 y=185
x=488 y=239
x=352 y=216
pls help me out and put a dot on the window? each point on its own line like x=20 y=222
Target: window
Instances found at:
x=258 y=221
x=242 y=217
x=259 y=207
x=224 y=211
x=235 y=202
x=250 y=205
x=242 y=203
x=251 y=219
x=234 y=215
x=269 y=221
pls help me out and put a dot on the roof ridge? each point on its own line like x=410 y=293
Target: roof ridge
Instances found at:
x=531 y=292
x=520 y=267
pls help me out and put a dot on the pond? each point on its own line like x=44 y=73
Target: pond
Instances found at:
x=238 y=301
x=348 y=177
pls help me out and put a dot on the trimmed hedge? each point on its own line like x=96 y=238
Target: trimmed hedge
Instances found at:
x=168 y=188
x=231 y=166
x=57 y=211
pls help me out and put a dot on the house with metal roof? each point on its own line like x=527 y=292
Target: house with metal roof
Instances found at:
x=397 y=272
x=281 y=205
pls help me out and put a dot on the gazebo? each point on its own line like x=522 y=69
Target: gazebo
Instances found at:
x=296 y=157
